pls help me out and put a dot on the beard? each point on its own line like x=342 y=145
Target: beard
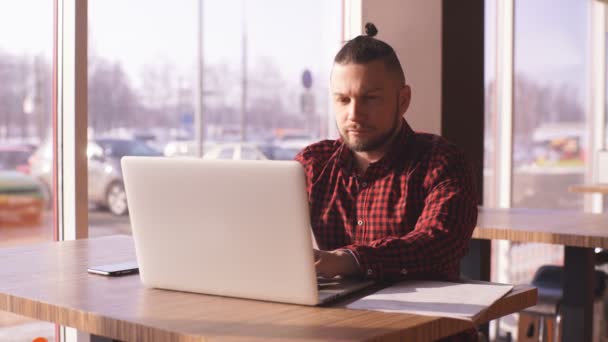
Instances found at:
x=374 y=142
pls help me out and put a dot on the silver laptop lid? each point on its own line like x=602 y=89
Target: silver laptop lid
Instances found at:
x=231 y=228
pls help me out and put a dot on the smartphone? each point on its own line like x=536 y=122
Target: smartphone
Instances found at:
x=124 y=268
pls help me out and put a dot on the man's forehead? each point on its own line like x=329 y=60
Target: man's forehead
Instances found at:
x=363 y=89
x=363 y=69
x=365 y=77
x=345 y=84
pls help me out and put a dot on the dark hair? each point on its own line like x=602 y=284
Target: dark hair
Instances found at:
x=365 y=48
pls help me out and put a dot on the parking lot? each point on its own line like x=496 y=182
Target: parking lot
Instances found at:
x=101 y=223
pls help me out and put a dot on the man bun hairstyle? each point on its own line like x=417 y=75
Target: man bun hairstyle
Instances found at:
x=365 y=48
x=370 y=30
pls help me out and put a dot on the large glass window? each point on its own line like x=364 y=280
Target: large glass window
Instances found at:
x=549 y=121
x=490 y=110
x=25 y=123
x=265 y=70
x=550 y=89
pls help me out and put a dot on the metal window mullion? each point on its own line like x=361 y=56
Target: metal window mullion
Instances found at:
x=72 y=125
x=504 y=94
x=352 y=26
x=596 y=122
x=504 y=123
x=72 y=120
x=199 y=120
x=353 y=14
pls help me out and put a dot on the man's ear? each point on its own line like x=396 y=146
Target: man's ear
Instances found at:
x=405 y=95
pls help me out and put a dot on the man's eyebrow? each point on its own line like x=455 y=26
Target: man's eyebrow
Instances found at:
x=372 y=90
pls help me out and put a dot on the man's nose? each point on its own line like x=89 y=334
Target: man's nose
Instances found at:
x=356 y=111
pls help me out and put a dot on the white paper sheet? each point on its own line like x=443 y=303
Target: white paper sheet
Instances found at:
x=434 y=298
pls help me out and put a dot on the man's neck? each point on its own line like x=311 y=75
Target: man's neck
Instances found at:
x=363 y=159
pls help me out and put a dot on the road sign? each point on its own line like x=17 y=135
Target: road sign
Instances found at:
x=307 y=79
x=307 y=103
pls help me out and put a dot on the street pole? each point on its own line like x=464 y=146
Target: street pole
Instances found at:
x=199 y=126
x=244 y=76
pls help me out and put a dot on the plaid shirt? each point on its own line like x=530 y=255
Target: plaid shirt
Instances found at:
x=410 y=215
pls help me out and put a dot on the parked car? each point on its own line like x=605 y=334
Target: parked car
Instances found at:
x=21 y=199
x=287 y=149
x=15 y=157
x=105 y=181
x=217 y=150
x=235 y=151
x=183 y=148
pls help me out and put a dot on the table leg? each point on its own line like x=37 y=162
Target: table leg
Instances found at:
x=577 y=302
x=476 y=265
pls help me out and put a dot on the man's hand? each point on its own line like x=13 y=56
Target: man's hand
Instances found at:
x=335 y=263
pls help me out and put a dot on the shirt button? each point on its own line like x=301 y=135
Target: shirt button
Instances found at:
x=370 y=271
x=360 y=222
x=364 y=185
x=403 y=271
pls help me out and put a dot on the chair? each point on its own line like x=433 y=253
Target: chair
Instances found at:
x=548 y=279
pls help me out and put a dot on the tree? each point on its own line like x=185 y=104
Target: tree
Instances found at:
x=535 y=104
x=112 y=101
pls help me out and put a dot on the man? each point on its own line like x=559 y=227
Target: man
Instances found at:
x=387 y=203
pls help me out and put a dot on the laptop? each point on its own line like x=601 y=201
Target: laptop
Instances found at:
x=229 y=228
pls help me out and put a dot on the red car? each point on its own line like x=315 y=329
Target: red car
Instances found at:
x=21 y=199
x=15 y=157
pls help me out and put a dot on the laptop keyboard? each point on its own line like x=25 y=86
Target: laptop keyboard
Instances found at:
x=323 y=283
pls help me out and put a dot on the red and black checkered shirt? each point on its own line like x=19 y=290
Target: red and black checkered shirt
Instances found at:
x=410 y=215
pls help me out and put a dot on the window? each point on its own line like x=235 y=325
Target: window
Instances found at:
x=549 y=131
x=143 y=83
x=226 y=153
x=25 y=122
x=549 y=121
x=490 y=112
x=249 y=153
x=549 y=150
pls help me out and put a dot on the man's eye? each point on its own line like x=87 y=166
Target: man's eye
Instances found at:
x=343 y=100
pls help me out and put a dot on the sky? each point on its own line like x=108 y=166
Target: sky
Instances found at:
x=550 y=35
x=550 y=40
x=296 y=35
x=555 y=30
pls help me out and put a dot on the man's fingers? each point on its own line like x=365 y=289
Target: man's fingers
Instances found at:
x=318 y=262
x=317 y=254
x=323 y=264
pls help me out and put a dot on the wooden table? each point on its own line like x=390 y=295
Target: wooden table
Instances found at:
x=49 y=282
x=589 y=188
x=579 y=232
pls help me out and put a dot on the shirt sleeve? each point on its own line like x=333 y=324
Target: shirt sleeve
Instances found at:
x=306 y=159
x=442 y=232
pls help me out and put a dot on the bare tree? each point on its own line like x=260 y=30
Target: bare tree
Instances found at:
x=160 y=91
x=10 y=85
x=112 y=101
x=536 y=104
